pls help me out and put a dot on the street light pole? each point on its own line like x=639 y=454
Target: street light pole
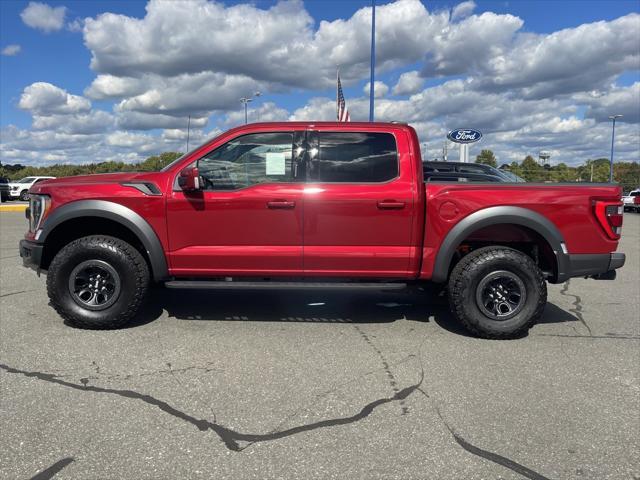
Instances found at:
x=613 y=134
x=372 y=80
x=188 y=131
x=245 y=101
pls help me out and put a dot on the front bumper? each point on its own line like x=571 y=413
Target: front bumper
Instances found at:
x=601 y=266
x=31 y=254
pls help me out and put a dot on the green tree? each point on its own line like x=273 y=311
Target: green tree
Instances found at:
x=562 y=173
x=531 y=171
x=487 y=157
x=627 y=174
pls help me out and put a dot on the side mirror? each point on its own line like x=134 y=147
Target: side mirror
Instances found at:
x=189 y=179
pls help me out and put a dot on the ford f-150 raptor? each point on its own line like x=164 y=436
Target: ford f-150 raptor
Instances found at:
x=315 y=204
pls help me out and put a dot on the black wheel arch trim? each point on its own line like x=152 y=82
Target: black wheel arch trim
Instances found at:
x=495 y=216
x=117 y=213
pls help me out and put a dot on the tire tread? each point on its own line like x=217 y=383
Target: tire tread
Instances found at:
x=114 y=244
x=461 y=276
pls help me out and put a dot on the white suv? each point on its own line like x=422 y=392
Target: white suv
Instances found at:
x=630 y=202
x=20 y=189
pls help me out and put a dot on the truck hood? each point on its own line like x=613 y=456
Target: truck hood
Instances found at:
x=98 y=178
x=89 y=180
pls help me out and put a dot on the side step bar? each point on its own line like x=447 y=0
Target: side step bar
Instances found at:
x=217 y=285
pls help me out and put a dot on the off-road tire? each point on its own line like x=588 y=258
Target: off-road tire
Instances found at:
x=466 y=277
x=127 y=262
x=24 y=196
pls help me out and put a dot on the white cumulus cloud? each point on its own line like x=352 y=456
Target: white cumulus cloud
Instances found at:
x=43 y=98
x=408 y=83
x=380 y=89
x=525 y=91
x=44 y=17
x=463 y=9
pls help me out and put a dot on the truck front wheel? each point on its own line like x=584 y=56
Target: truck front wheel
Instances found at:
x=97 y=282
x=497 y=292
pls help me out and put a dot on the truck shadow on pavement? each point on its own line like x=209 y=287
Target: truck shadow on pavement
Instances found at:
x=326 y=306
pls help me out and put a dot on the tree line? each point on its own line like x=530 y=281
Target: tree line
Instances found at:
x=625 y=173
x=151 y=164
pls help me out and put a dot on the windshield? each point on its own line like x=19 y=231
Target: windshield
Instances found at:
x=26 y=180
x=512 y=177
x=179 y=159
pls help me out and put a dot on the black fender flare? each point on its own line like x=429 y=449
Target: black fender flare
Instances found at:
x=501 y=215
x=117 y=213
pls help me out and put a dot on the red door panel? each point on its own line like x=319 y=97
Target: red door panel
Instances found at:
x=236 y=233
x=248 y=219
x=361 y=229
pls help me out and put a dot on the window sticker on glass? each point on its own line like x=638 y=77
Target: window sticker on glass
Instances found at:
x=276 y=163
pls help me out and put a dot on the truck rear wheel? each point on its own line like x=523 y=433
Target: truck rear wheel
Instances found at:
x=97 y=282
x=497 y=292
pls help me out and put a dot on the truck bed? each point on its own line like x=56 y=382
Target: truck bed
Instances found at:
x=569 y=207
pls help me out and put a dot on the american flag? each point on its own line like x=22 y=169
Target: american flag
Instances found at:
x=341 y=107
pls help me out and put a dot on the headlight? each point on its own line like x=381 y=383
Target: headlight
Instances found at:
x=38 y=208
x=14 y=188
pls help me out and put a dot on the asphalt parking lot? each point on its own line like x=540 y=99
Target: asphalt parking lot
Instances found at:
x=299 y=384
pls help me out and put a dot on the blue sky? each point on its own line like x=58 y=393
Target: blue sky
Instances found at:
x=539 y=110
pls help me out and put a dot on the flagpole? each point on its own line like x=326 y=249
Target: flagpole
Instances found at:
x=373 y=58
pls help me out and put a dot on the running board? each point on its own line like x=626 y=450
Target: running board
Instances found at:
x=217 y=285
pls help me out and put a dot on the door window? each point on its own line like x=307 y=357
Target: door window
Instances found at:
x=354 y=157
x=248 y=160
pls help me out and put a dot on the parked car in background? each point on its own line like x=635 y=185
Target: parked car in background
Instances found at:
x=4 y=189
x=20 y=188
x=511 y=176
x=631 y=201
x=465 y=172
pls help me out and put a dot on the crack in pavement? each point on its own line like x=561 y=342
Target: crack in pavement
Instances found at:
x=334 y=389
x=53 y=469
x=487 y=455
x=491 y=456
x=385 y=365
x=171 y=371
x=577 y=304
x=16 y=293
x=229 y=437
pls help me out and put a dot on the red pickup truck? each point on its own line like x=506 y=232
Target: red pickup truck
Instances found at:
x=314 y=204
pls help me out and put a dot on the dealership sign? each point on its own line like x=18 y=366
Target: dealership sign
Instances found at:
x=464 y=135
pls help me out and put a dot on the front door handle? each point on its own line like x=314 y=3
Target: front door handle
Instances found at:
x=390 y=205
x=281 y=204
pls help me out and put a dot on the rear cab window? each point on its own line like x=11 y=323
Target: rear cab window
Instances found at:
x=353 y=157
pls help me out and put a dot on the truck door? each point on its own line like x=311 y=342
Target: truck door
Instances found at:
x=358 y=204
x=247 y=220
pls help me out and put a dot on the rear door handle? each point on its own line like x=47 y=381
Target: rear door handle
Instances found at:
x=281 y=204
x=390 y=205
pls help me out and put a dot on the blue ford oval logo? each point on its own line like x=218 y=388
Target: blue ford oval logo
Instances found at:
x=464 y=135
